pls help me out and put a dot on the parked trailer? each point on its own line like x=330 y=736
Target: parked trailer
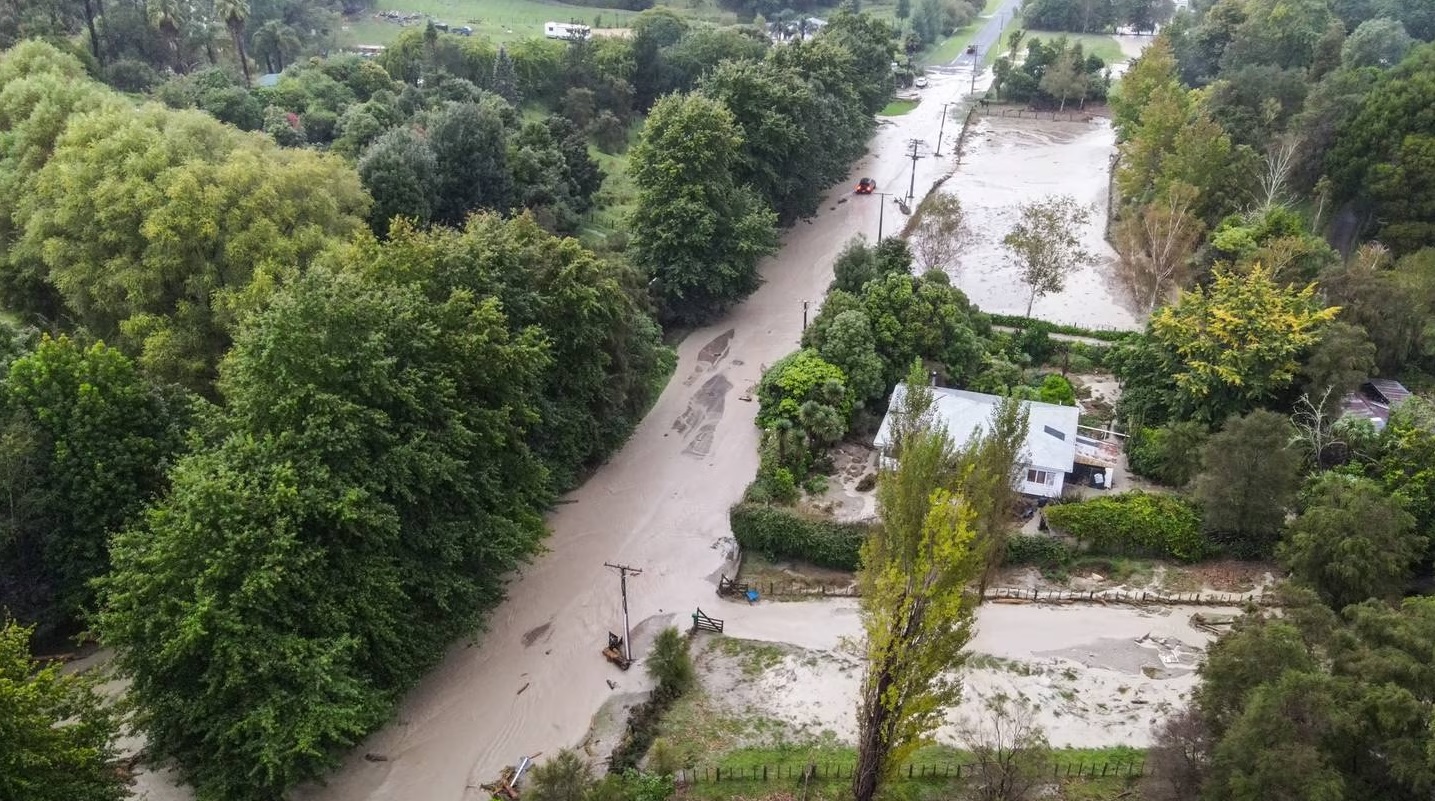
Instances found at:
x=566 y=30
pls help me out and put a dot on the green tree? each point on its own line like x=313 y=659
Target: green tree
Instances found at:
x=370 y=497
x=1340 y=362
x=1249 y=478
x=1153 y=70
x=57 y=741
x=160 y=228
x=859 y=263
x=94 y=437
x=796 y=380
x=1376 y=43
x=1170 y=454
x=903 y=10
x=696 y=233
x=1237 y=342
x=1283 y=33
x=1274 y=750
x=470 y=154
x=1056 y=389
x=1406 y=463
x=1352 y=542
x=399 y=171
x=234 y=13
x=564 y=777
x=1046 y=243
x=849 y=346
x=1380 y=153
x=670 y=665
x=505 y=81
x=275 y=42
x=917 y=604
x=1066 y=78
x=607 y=358
x=941 y=233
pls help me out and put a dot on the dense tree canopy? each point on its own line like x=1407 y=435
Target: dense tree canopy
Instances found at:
x=698 y=233
x=42 y=761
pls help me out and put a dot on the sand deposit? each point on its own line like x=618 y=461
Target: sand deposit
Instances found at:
x=1099 y=675
x=1011 y=161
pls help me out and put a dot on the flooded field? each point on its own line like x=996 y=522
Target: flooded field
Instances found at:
x=1099 y=675
x=1011 y=161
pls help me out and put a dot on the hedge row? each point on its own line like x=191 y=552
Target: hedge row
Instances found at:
x=779 y=533
x=1134 y=523
x=1022 y=322
x=1037 y=550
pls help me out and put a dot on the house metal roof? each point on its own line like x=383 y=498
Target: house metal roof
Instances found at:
x=1051 y=429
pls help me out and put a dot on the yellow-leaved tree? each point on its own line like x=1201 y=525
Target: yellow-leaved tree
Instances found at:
x=920 y=568
x=1239 y=340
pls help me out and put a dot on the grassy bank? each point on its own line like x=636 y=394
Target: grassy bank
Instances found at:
x=1093 y=43
x=944 y=51
x=617 y=196
x=897 y=108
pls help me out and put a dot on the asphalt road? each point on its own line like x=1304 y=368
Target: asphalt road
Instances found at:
x=986 y=36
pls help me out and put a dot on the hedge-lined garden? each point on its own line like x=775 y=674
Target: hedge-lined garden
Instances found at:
x=782 y=533
x=1136 y=524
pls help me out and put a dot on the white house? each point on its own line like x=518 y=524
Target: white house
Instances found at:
x=1050 y=451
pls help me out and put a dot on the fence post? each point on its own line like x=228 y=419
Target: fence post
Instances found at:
x=764 y=773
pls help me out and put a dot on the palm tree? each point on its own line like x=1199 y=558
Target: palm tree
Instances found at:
x=164 y=15
x=234 y=13
x=273 y=40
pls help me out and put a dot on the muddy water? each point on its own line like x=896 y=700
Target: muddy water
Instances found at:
x=1013 y=161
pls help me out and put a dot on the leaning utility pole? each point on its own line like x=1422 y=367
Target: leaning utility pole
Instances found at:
x=975 y=56
x=912 y=186
x=623 y=571
x=941 y=128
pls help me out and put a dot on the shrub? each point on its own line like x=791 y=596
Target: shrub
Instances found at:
x=1170 y=454
x=1037 y=550
x=1134 y=523
x=670 y=664
x=779 y=533
x=565 y=777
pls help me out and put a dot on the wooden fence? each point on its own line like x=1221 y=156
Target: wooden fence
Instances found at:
x=818 y=771
x=773 y=589
x=1034 y=114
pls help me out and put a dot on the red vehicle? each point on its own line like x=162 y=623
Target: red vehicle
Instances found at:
x=866 y=186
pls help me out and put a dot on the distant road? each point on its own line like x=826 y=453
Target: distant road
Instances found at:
x=986 y=37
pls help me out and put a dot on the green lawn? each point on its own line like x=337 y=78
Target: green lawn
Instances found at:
x=499 y=20
x=898 y=107
x=1002 y=41
x=617 y=196
x=1100 y=44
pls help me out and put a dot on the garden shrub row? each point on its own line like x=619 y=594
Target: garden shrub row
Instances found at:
x=1019 y=321
x=1134 y=523
x=1038 y=550
x=779 y=533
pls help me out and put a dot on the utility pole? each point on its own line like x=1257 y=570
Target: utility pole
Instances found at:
x=804 y=314
x=976 y=59
x=623 y=571
x=881 y=209
x=912 y=186
x=941 y=128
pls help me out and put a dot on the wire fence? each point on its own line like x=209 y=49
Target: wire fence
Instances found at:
x=953 y=771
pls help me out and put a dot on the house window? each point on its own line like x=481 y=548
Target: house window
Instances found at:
x=1040 y=477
